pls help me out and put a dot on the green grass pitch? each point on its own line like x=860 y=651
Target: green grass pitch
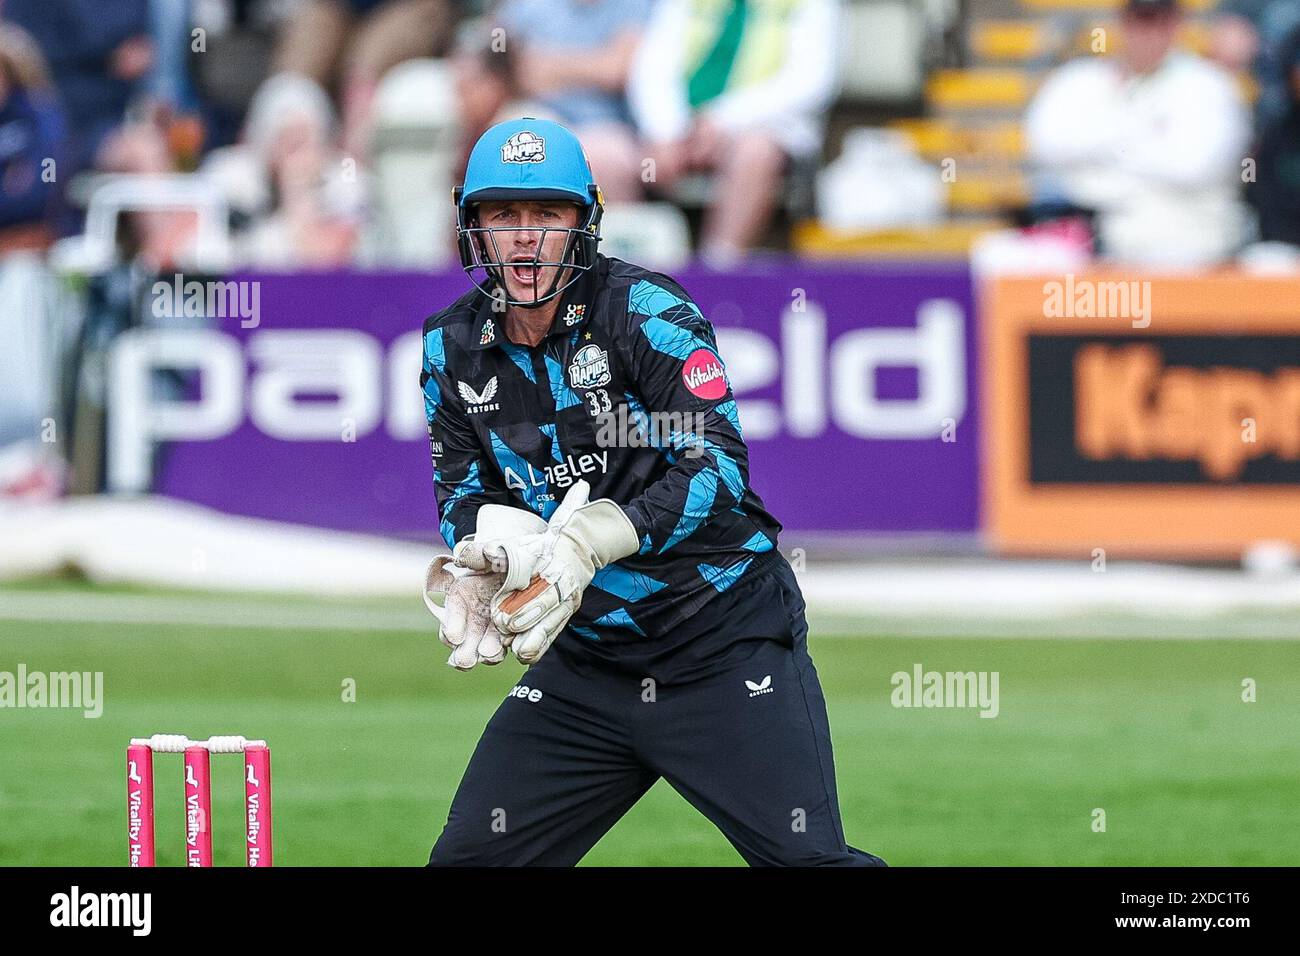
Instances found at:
x=1152 y=732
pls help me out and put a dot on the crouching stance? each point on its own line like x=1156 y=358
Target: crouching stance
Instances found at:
x=593 y=485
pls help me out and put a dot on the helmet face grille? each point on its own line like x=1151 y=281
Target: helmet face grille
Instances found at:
x=527 y=159
x=483 y=262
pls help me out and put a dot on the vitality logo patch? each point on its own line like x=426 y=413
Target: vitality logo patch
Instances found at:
x=703 y=376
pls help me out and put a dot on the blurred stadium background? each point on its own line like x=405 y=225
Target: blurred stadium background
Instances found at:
x=1008 y=290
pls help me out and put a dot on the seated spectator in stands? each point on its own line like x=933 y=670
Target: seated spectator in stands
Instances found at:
x=158 y=238
x=31 y=137
x=99 y=55
x=1234 y=33
x=1250 y=35
x=1275 y=194
x=348 y=45
x=566 y=60
x=297 y=198
x=170 y=26
x=31 y=133
x=485 y=83
x=1152 y=139
x=738 y=89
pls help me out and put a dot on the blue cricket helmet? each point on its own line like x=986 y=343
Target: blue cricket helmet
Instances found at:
x=531 y=160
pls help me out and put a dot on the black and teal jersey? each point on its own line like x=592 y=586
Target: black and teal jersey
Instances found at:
x=628 y=392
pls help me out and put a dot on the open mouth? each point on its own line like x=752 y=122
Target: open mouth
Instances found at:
x=524 y=271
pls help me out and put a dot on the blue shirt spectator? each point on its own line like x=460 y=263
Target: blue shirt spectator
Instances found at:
x=99 y=56
x=31 y=134
x=571 y=34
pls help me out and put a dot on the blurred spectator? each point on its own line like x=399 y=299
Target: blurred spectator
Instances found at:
x=31 y=133
x=1234 y=33
x=100 y=56
x=485 y=84
x=1151 y=139
x=1251 y=35
x=31 y=128
x=349 y=45
x=296 y=198
x=157 y=238
x=737 y=88
x=1275 y=194
x=170 y=23
x=572 y=59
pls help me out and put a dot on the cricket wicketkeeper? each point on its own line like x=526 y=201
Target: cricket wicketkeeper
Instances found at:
x=633 y=569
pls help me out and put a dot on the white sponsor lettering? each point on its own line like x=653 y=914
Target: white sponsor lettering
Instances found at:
x=317 y=378
x=561 y=474
x=935 y=348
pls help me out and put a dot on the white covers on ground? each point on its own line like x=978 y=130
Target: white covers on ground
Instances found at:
x=165 y=543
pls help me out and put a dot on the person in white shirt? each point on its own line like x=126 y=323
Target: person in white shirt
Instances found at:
x=1152 y=139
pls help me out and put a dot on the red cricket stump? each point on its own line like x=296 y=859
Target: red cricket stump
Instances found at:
x=198 y=807
x=139 y=805
x=257 y=803
x=198 y=795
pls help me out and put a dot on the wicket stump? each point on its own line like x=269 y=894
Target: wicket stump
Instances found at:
x=198 y=796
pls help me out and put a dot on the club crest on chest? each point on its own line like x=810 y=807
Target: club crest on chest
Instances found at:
x=589 y=368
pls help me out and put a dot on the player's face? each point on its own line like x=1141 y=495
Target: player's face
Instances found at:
x=523 y=227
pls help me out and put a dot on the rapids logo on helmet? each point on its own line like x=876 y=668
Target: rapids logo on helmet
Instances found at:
x=590 y=367
x=524 y=147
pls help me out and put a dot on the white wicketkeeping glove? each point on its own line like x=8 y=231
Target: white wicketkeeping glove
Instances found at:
x=465 y=618
x=581 y=538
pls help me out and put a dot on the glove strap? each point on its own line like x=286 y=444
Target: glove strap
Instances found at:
x=519 y=566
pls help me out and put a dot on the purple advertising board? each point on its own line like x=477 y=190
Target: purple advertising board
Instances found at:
x=855 y=385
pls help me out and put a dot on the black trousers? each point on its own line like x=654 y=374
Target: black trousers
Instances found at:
x=745 y=740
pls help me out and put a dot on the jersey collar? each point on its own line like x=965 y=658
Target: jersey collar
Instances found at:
x=573 y=313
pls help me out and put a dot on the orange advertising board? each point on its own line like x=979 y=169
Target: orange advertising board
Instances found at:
x=1145 y=416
